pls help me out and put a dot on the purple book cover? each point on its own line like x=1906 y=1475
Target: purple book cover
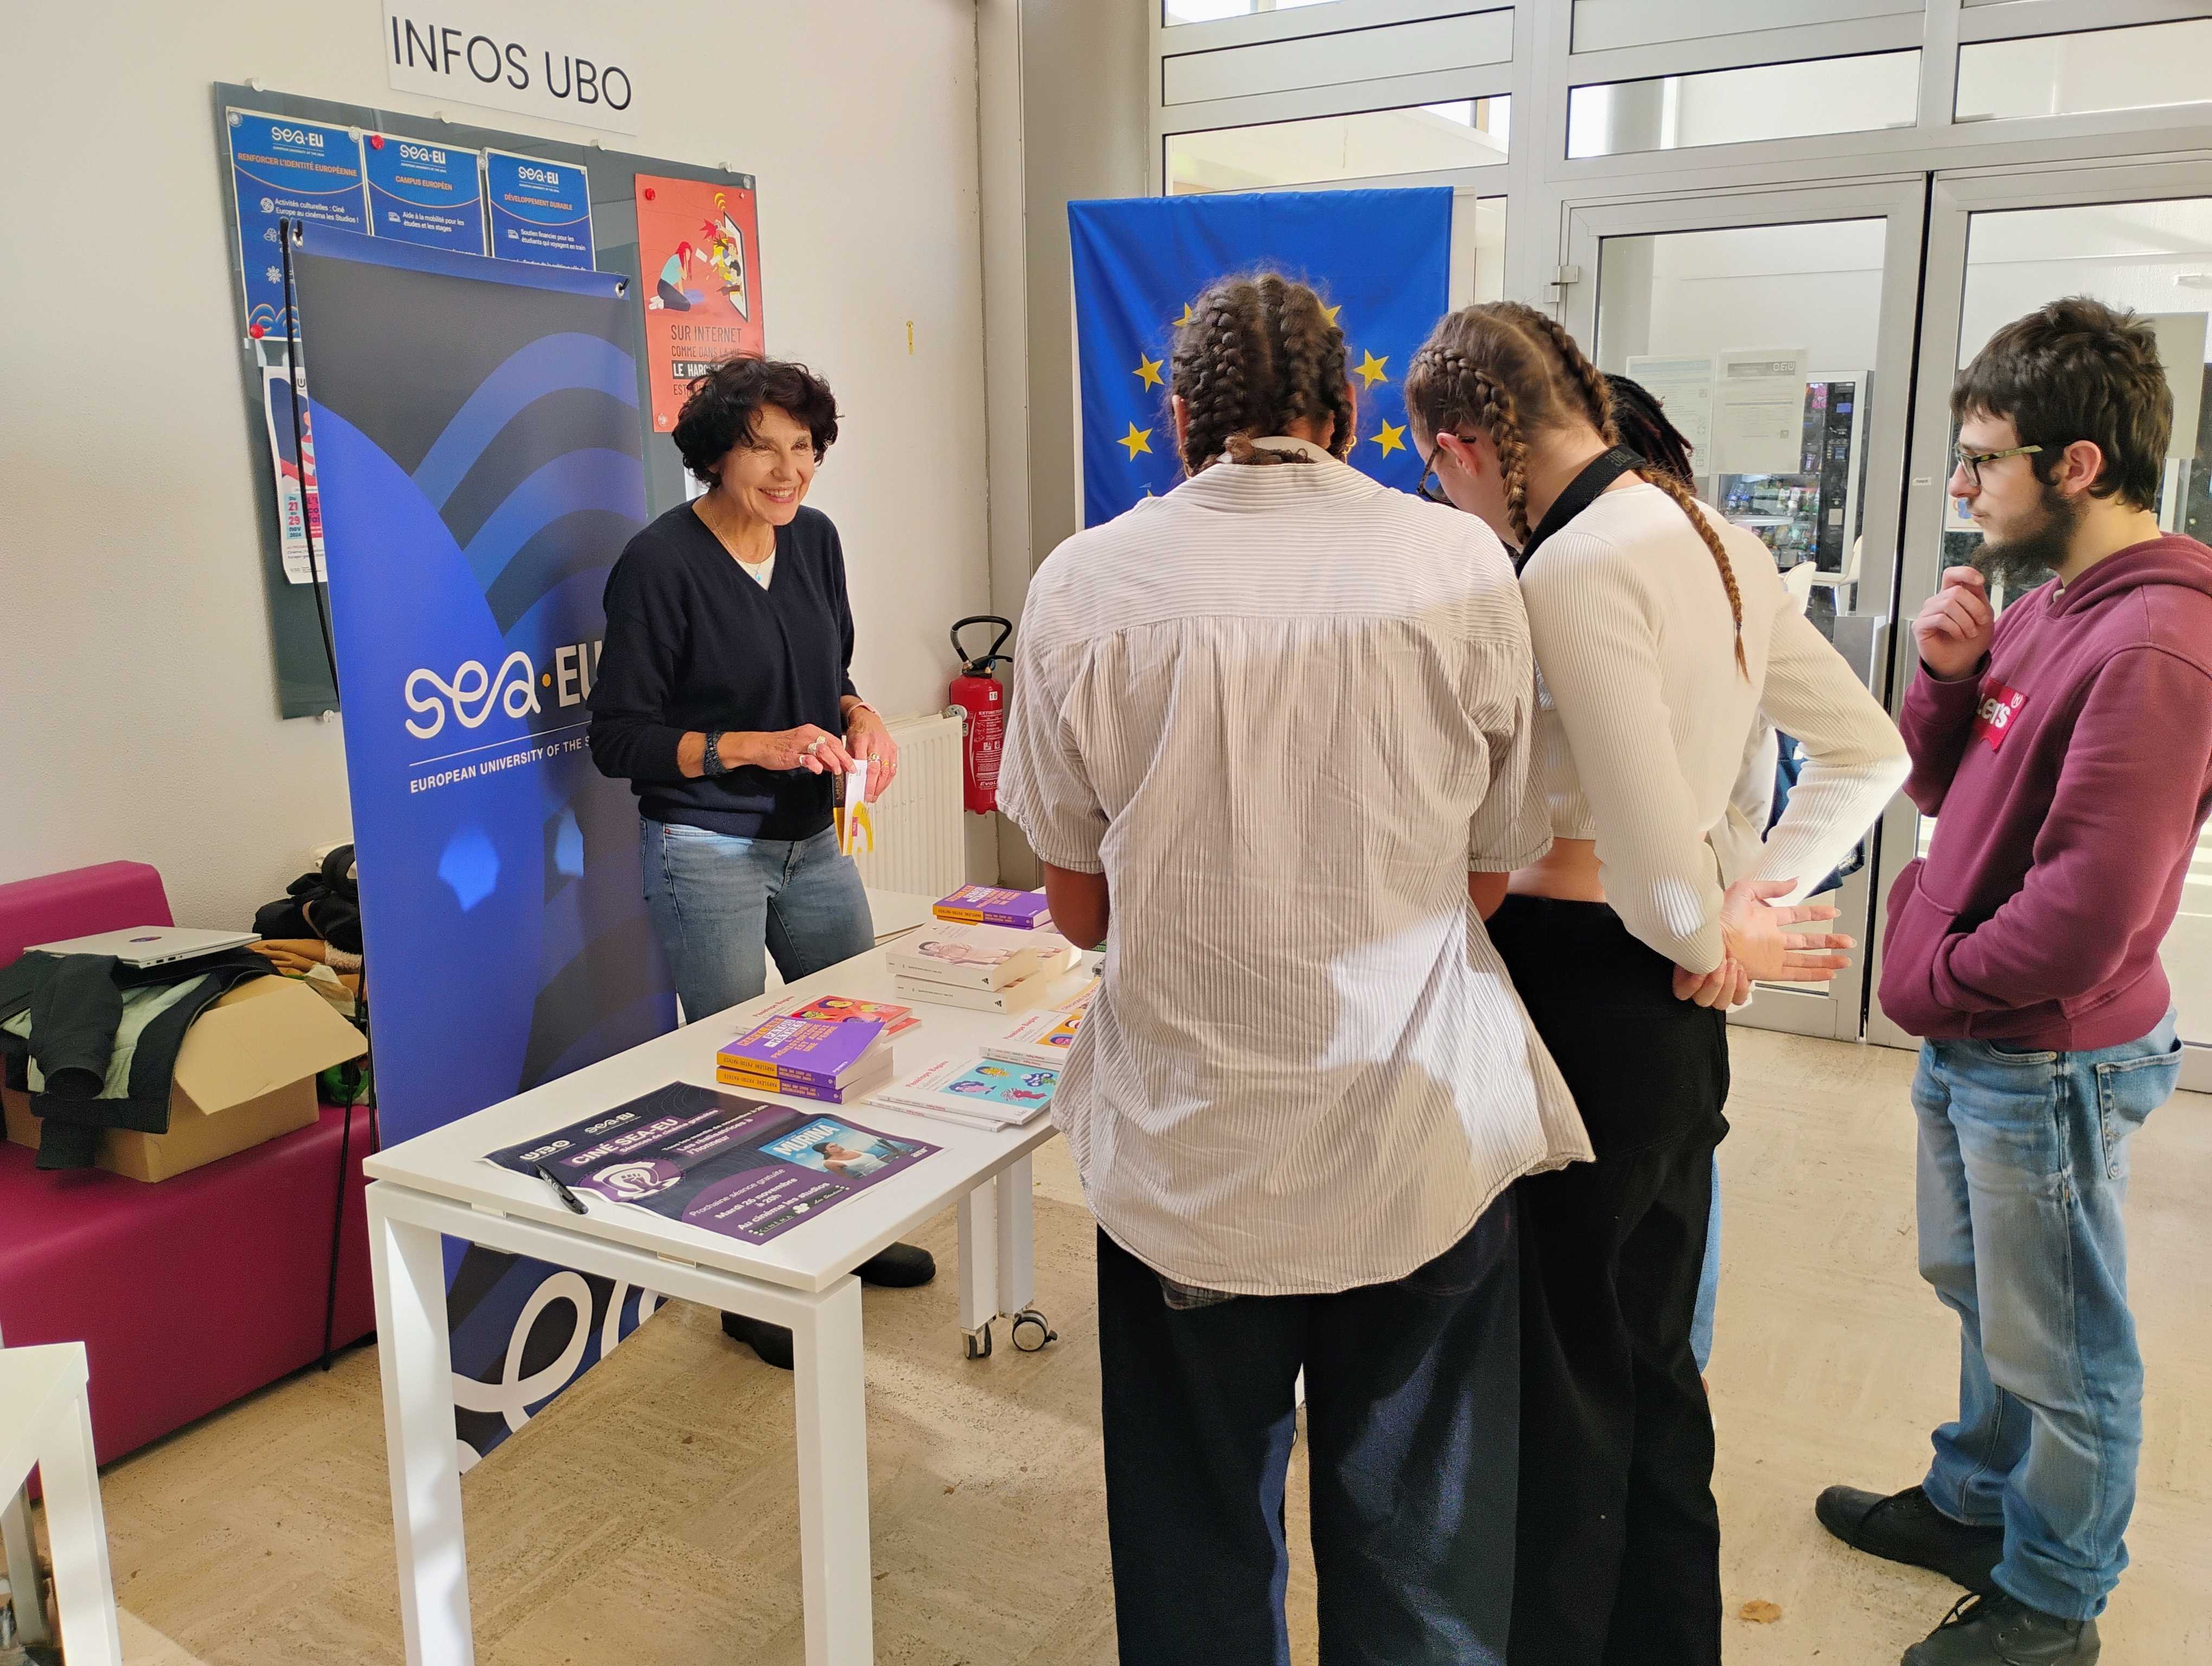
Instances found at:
x=802 y=1050
x=736 y=1166
x=991 y=905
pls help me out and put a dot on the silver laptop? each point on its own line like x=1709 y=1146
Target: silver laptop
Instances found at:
x=151 y=945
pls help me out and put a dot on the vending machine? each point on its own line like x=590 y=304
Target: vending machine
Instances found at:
x=1813 y=513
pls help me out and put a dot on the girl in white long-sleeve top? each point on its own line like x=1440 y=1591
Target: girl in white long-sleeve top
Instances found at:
x=1661 y=635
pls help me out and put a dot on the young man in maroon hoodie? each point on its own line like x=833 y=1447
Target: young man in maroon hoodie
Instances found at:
x=2067 y=747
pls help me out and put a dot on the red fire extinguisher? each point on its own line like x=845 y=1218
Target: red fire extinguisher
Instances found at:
x=979 y=703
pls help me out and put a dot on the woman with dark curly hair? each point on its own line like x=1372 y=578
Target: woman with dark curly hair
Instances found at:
x=725 y=697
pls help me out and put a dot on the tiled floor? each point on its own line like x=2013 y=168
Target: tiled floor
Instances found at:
x=650 y=1516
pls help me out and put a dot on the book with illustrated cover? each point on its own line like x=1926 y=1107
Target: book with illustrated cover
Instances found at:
x=1044 y=1038
x=979 y=957
x=745 y=1169
x=836 y=1009
x=990 y=905
x=796 y=1050
x=981 y=1093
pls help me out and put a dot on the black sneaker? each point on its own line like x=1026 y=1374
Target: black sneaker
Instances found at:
x=901 y=1266
x=771 y=1342
x=1904 y=1526
x=2003 y=1631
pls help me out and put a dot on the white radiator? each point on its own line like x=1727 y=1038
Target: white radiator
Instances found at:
x=920 y=842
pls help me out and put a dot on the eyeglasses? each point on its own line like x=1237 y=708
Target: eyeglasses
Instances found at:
x=1421 y=488
x=1972 y=461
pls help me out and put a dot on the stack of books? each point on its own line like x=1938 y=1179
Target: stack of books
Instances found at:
x=988 y=969
x=981 y=1093
x=833 y=1061
x=1043 y=1039
x=988 y=905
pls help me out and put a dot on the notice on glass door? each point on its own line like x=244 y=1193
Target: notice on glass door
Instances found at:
x=1758 y=416
x=1684 y=388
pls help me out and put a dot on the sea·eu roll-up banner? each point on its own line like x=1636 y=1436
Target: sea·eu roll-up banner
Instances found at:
x=478 y=451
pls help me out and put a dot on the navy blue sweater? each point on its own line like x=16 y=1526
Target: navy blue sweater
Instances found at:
x=693 y=642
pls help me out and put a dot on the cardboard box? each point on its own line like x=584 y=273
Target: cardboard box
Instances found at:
x=245 y=1074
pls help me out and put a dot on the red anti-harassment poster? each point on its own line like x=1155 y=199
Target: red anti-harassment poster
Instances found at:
x=698 y=245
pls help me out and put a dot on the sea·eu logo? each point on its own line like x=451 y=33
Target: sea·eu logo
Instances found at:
x=474 y=693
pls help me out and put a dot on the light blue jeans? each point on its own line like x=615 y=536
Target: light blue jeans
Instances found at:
x=1709 y=1281
x=721 y=905
x=2023 y=1171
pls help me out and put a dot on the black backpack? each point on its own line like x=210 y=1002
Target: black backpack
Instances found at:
x=325 y=903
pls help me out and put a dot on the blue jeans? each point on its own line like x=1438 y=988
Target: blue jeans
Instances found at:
x=721 y=905
x=2023 y=1170
x=1709 y=1281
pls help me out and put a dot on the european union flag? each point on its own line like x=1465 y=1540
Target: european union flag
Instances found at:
x=1381 y=259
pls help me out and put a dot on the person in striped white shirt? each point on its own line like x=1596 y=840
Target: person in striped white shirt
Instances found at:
x=1662 y=633
x=1266 y=727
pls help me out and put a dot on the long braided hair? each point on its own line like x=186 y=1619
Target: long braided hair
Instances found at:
x=1646 y=429
x=1258 y=354
x=1514 y=374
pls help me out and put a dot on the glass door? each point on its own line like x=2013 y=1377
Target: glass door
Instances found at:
x=1999 y=245
x=1777 y=326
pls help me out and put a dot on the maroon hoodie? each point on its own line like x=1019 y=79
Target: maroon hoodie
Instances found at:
x=2070 y=773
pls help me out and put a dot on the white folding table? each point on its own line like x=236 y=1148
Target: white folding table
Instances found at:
x=45 y=1423
x=439 y=1182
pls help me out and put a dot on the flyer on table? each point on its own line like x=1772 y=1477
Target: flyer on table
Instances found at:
x=741 y=1167
x=420 y=192
x=698 y=246
x=286 y=169
x=541 y=211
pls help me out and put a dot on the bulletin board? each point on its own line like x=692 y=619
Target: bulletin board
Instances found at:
x=702 y=301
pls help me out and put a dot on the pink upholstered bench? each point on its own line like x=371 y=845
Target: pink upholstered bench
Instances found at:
x=192 y=1293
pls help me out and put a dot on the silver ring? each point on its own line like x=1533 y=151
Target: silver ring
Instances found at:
x=813 y=746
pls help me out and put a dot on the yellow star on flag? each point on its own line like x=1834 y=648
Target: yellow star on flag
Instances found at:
x=1137 y=439
x=1371 y=370
x=1392 y=438
x=1330 y=313
x=1187 y=318
x=1148 y=369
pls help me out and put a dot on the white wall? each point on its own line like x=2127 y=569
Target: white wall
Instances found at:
x=137 y=709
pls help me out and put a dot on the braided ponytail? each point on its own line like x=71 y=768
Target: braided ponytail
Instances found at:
x=1259 y=356
x=1597 y=398
x=1689 y=505
x=1494 y=410
x=1215 y=357
x=1596 y=391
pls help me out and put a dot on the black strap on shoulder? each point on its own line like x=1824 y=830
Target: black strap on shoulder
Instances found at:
x=1599 y=473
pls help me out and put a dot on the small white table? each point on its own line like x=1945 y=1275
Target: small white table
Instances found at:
x=439 y=1182
x=45 y=1423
